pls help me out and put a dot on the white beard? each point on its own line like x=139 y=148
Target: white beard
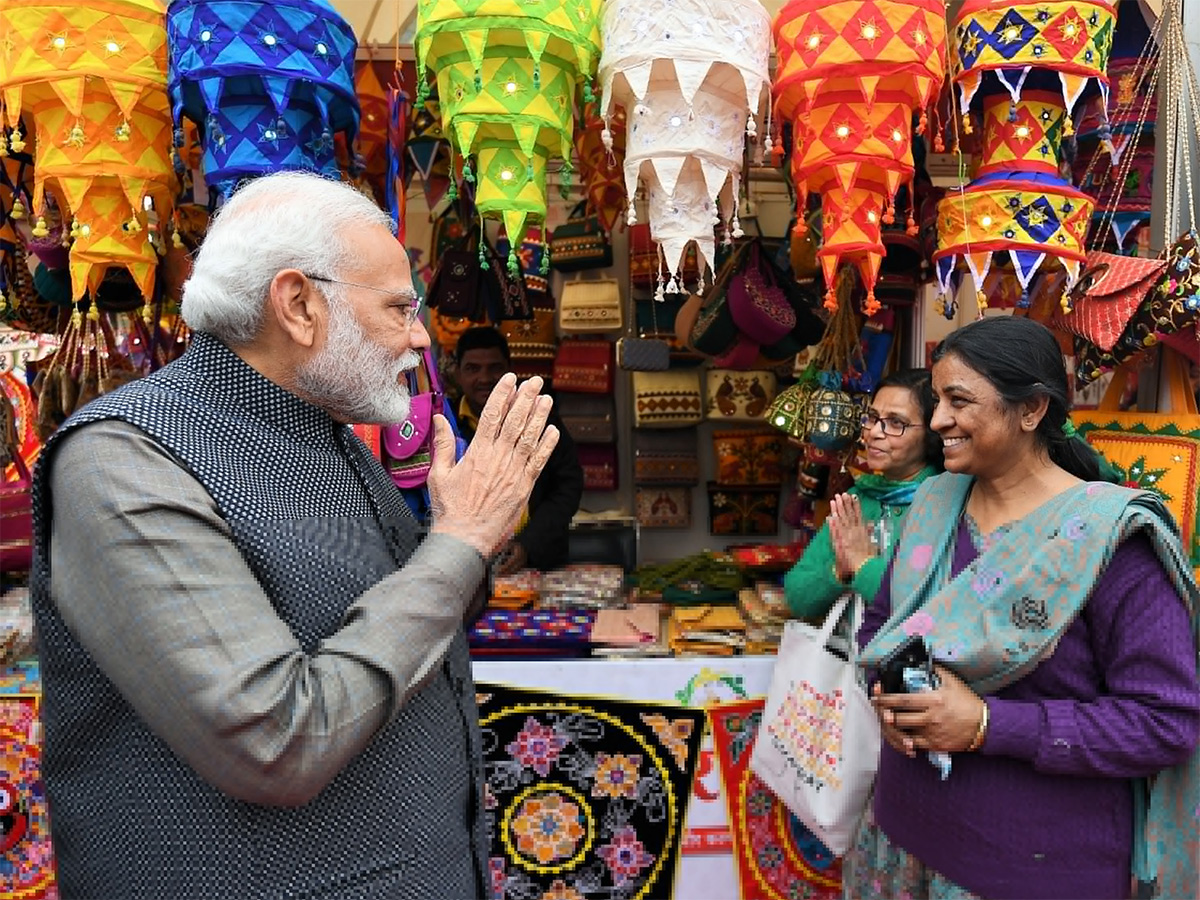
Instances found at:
x=354 y=378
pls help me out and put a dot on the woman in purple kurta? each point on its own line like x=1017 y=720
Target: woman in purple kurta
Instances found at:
x=1063 y=617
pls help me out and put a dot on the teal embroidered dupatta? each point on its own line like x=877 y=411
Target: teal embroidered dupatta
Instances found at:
x=1001 y=615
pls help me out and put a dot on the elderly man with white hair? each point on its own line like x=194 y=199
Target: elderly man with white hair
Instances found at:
x=256 y=680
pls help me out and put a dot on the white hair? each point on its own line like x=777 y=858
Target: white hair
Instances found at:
x=289 y=220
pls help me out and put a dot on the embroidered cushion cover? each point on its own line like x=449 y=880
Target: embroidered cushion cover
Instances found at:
x=585 y=797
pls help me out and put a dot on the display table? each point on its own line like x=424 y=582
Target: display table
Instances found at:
x=707 y=867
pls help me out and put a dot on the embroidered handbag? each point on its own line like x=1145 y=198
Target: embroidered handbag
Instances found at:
x=742 y=354
x=509 y=295
x=584 y=365
x=742 y=509
x=748 y=457
x=670 y=399
x=408 y=445
x=714 y=330
x=531 y=339
x=831 y=416
x=663 y=507
x=16 y=516
x=665 y=457
x=646 y=266
x=454 y=289
x=1106 y=296
x=580 y=243
x=734 y=396
x=1156 y=451
x=599 y=463
x=590 y=306
x=759 y=307
x=822 y=774
x=589 y=418
x=643 y=354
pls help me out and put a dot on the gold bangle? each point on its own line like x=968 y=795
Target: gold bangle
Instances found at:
x=981 y=734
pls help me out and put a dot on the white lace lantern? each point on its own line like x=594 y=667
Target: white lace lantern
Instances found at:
x=689 y=74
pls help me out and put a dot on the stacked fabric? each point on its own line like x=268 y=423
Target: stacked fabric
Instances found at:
x=533 y=632
x=765 y=611
x=583 y=586
x=706 y=631
x=632 y=631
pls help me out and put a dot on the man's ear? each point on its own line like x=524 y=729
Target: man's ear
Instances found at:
x=296 y=307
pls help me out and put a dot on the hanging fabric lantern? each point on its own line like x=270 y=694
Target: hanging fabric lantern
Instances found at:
x=268 y=84
x=689 y=74
x=1026 y=66
x=601 y=165
x=507 y=74
x=851 y=75
x=93 y=83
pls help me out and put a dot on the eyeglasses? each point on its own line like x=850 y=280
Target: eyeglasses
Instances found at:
x=893 y=427
x=413 y=310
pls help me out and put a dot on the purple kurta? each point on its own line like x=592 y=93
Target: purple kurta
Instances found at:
x=1045 y=808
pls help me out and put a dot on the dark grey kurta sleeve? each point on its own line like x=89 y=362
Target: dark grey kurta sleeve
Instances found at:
x=147 y=577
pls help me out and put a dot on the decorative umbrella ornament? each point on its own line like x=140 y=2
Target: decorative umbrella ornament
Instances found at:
x=690 y=75
x=268 y=84
x=1025 y=66
x=852 y=75
x=507 y=74
x=92 y=79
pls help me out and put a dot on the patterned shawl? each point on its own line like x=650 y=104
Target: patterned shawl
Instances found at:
x=1000 y=616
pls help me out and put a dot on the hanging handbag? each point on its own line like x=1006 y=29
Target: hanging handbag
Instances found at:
x=408 y=445
x=454 y=289
x=16 y=517
x=738 y=396
x=589 y=418
x=591 y=306
x=643 y=354
x=584 y=365
x=818 y=745
x=1107 y=295
x=580 y=243
x=599 y=464
x=759 y=306
x=665 y=457
x=670 y=399
x=508 y=294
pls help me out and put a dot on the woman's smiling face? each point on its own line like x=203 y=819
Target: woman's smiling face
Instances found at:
x=898 y=457
x=978 y=429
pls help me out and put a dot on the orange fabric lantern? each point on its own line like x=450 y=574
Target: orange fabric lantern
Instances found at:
x=93 y=79
x=851 y=75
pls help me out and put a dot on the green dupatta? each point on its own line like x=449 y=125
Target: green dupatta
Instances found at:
x=1008 y=609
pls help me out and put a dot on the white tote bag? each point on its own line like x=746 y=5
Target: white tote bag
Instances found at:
x=818 y=746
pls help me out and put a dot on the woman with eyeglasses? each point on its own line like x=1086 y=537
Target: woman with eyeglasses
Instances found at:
x=850 y=551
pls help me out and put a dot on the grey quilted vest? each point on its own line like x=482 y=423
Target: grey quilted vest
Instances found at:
x=318 y=521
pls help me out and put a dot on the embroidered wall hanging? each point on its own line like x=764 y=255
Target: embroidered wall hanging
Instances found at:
x=26 y=858
x=742 y=509
x=777 y=857
x=585 y=798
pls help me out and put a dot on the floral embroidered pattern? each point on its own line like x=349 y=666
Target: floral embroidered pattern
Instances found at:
x=584 y=798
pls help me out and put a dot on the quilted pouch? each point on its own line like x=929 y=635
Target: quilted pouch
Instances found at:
x=663 y=507
x=748 y=457
x=599 y=463
x=643 y=354
x=736 y=396
x=580 y=243
x=670 y=399
x=590 y=306
x=589 y=418
x=1106 y=296
x=584 y=365
x=665 y=457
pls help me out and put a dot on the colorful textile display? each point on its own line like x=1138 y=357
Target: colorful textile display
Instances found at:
x=1024 y=66
x=851 y=75
x=689 y=74
x=778 y=858
x=91 y=80
x=585 y=798
x=26 y=857
x=506 y=76
x=269 y=84
x=601 y=165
